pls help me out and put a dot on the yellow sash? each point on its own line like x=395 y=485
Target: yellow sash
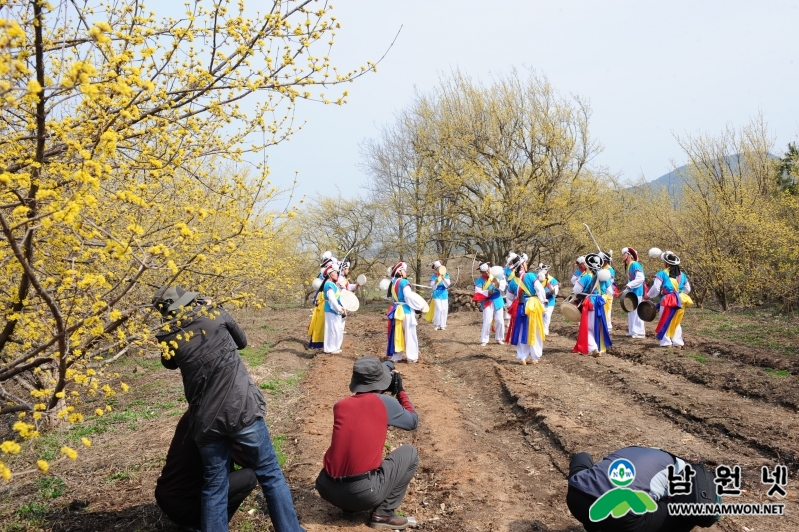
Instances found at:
x=685 y=300
x=428 y=316
x=316 y=330
x=399 y=333
x=534 y=310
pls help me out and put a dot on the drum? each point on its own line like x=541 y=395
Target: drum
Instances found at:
x=417 y=302
x=647 y=310
x=629 y=302
x=442 y=270
x=384 y=284
x=571 y=311
x=349 y=301
x=361 y=280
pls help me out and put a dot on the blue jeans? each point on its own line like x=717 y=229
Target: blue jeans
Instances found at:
x=257 y=446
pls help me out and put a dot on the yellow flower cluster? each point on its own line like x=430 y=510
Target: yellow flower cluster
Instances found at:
x=138 y=180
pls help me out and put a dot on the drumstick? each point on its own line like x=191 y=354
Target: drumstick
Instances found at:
x=592 y=237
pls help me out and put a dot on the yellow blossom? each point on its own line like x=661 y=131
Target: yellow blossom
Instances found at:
x=70 y=453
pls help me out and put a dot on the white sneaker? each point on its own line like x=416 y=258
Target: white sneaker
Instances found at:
x=638 y=336
x=483 y=344
x=500 y=342
x=443 y=328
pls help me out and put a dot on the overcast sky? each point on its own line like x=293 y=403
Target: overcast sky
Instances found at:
x=649 y=70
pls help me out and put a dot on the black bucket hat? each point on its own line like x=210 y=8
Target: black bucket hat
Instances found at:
x=168 y=299
x=368 y=375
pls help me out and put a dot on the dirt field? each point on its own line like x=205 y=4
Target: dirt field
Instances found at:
x=494 y=437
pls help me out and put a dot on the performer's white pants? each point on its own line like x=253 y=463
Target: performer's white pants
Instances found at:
x=547 y=318
x=635 y=325
x=608 y=313
x=533 y=351
x=675 y=340
x=334 y=332
x=411 y=341
x=497 y=314
x=440 y=312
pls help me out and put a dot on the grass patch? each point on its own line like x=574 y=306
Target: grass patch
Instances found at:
x=699 y=357
x=778 y=372
x=33 y=510
x=279 y=443
x=254 y=356
x=47 y=447
x=754 y=328
x=51 y=487
x=119 y=475
x=276 y=386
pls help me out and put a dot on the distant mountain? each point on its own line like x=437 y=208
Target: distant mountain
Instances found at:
x=673 y=181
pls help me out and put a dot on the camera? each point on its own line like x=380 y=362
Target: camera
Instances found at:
x=395 y=386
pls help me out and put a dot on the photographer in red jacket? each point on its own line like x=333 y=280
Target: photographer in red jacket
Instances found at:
x=356 y=477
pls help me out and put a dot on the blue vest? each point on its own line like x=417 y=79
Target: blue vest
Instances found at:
x=336 y=293
x=440 y=291
x=635 y=267
x=549 y=293
x=494 y=295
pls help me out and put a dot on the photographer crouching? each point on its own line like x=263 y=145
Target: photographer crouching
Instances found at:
x=356 y=477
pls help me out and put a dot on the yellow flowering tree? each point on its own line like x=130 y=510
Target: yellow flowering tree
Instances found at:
x=123 y=168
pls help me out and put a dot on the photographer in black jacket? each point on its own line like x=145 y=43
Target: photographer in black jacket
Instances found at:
x=225 y=406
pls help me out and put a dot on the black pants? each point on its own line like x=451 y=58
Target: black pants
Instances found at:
x=382 y=492
x=579 y=504
x=242 y=482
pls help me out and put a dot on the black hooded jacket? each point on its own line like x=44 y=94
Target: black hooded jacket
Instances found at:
x=222 y=396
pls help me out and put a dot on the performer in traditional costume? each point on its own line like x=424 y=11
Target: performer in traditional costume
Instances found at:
x=673 y=284
x=316 y=329
x=488 y=291
x=593 y=337
x=334 y=312
x=401 y=318
x=608 y=287
x=344 y=284
x=440 y=302
x=343 y=278
x=511 y=266
x=635 y=284
x=551 y=288
x=579 y=269
x=526 y=328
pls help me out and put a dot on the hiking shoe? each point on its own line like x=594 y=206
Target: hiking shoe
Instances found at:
x=388 y=522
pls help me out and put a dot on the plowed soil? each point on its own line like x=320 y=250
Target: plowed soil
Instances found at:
x=494 y=437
